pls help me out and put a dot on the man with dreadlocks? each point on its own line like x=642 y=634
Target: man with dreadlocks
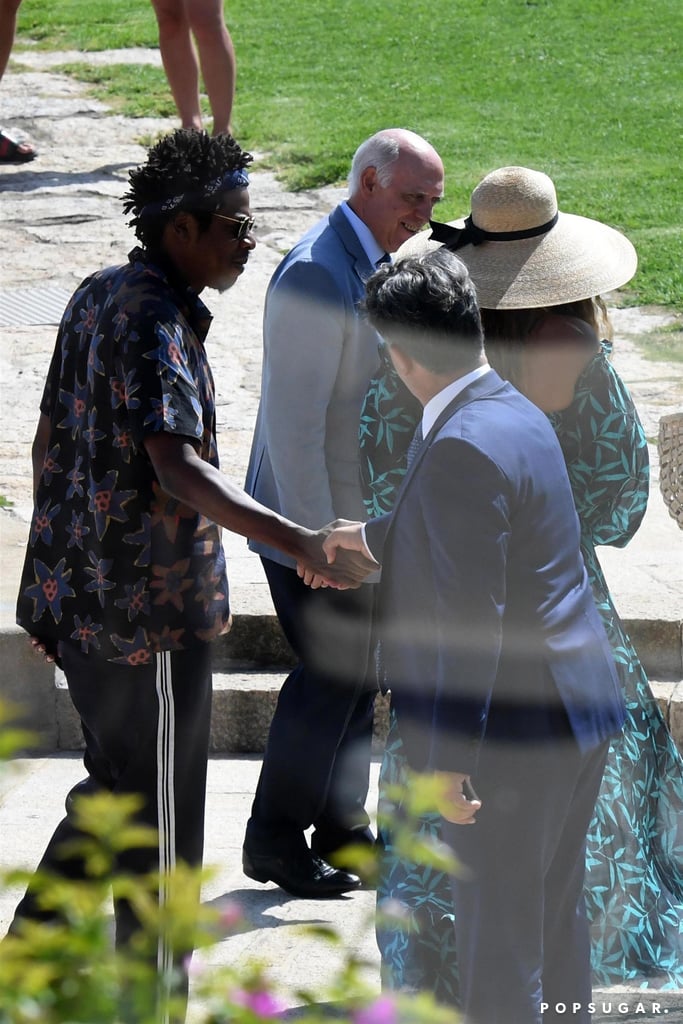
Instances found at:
x=124 y=582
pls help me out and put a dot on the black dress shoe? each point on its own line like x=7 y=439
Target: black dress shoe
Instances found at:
x=362 y=839
x=304 y=875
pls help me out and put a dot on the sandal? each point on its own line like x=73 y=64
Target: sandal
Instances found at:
x=13 y=152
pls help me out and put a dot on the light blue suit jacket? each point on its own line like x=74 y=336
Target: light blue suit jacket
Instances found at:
x=318 y=356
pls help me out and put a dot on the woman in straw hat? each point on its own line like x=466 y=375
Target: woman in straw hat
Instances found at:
x=539 y=274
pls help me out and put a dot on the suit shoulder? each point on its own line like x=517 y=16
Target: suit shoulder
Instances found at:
x=501 y=426
x=463 y=442
x=318 y=265
x=504 y=407
x=321 y=243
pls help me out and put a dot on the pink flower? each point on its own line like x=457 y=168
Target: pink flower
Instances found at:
x=263 y=1003
x=382 y=1011
x=194 y=968
x=231 y=916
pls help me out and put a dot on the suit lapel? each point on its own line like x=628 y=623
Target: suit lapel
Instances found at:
x=480 y=388
x=361 y=264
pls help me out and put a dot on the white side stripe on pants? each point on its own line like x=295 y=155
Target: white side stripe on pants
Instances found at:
x=166 y=807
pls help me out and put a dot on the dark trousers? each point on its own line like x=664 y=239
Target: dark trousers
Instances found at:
x=522 y=937
x=316 y=765
x=146 y=730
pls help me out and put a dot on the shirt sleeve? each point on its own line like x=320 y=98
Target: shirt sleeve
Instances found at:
x=157 y=378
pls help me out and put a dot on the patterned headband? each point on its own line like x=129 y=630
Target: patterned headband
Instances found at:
x=233 y=179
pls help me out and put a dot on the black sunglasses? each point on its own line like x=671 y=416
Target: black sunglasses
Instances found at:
x=245 y=225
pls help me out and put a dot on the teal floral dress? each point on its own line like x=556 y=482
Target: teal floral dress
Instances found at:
x=634 y=865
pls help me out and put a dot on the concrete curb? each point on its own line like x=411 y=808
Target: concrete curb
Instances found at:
x=250 y=664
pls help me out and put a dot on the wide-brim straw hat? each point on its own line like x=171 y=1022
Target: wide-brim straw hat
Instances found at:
x=522 y=252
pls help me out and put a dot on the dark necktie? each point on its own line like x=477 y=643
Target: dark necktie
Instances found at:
x=383 y=259
x=414 y=444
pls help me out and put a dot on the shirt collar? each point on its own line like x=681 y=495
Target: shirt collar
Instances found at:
x=196 y=312
x=436 y=405
x=371 y=246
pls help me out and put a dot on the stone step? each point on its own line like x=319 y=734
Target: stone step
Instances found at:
x=250 y=664
x=258 y=639
x=244 y=701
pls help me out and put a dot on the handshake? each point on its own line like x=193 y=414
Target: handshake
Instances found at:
x=336 y=556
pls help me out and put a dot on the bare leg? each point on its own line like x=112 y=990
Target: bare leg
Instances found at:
x=8 y=25
x=216 y=56
x=179 y=59
x=11 y=151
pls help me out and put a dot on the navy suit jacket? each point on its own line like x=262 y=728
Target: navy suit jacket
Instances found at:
x=488 y=625
x=319 y=354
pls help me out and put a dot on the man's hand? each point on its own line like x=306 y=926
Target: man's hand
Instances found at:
x=345 y=570
x=183 y=474
x=41 y=647
x=458 y=803
x=344 y=542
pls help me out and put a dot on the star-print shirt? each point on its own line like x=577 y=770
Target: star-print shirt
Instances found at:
x=113 y=563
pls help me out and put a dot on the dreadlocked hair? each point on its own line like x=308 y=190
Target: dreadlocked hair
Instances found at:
x=183 y=162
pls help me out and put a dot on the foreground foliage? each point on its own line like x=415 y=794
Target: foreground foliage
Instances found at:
x=67 y=971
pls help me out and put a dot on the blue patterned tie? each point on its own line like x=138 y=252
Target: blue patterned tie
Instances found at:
x=414 y=444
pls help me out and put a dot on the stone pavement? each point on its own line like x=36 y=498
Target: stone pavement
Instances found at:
x=31 y=804
x=60 y=220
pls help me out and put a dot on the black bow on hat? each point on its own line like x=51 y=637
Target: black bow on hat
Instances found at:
x=455 y=238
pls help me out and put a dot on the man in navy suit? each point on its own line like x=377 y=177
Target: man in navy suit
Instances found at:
x=319 y=356
x=500 y=672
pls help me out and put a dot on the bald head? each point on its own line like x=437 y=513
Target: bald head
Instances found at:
x=396 y=179
x=381 y=150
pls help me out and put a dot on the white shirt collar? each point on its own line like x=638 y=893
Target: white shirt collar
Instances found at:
x=371 y=246
x=436 y=405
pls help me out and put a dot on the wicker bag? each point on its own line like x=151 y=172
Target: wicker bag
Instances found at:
x=670 y=447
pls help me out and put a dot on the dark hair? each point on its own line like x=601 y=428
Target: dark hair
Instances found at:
x=507 y=331
x=183 y=163
x=427 y=305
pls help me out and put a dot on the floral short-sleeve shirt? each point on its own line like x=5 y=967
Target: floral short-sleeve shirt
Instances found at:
x=113 y=563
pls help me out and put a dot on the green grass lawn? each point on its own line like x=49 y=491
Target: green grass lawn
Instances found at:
x=590 y=91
